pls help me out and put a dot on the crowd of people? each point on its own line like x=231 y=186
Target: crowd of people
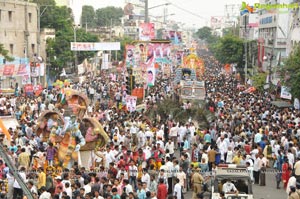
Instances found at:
x=155 y=158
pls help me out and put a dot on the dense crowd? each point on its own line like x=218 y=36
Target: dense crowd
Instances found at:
x=158 y=158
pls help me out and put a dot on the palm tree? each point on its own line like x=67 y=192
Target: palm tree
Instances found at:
x=4 y=53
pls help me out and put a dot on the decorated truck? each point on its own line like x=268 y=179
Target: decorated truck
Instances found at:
x=189 y=78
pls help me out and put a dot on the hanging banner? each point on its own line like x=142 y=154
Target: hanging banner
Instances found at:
x=131 y=103
x=174 y=37
x=150 y=76
x=130 y=56
x=145 y=54
x=37 y=70
x=8 y=70
x=285 y=93
x=25 y=79
x=91 y=46
x=146 y=31
x=296 y=104
x=139 y=75
x=38 y=89
x=138 y=92
x=23 y=69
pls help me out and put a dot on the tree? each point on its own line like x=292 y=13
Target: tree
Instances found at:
x=207 y=35
x=88 y=16
x=229 y=50
x=291 y=72
x=204 y=33
x=108 y=16
x=259 y=80
x=4 y=53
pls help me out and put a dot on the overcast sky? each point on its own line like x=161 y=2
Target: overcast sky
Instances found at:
x=193 y=13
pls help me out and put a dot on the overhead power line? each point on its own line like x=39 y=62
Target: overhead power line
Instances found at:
x=186 y=10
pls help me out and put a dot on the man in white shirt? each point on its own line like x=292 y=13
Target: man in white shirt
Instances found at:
x=18 y=192
x=229 y=187
x=109 y=157
x=173 y=134
x=170 y=147
x=177 y=189
x=146 y=178
x=169 y=165
x=45 y=194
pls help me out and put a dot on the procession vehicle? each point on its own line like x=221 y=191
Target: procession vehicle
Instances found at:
x=188 y=79
x=238 y=175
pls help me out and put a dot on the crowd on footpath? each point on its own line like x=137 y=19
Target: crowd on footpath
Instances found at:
x=154 y=159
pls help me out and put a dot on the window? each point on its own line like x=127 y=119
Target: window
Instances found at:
x=11 y=48
x=10 y=16
x=32 y=48
x=29 y=17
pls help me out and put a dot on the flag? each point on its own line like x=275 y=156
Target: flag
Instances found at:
x=4 y=130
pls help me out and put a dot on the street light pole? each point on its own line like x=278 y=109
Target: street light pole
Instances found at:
x=75 y=51
x=146 y=12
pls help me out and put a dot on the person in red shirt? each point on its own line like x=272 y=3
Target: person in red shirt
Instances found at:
x=162 y=191
x=247 y=147
x=59 y=186
x=286 y=173
x=112 y=170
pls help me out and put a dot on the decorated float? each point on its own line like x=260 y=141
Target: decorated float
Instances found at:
x=73 y=134
x=189 y=78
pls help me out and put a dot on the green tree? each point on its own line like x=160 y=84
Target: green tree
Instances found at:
x=207 y=35
x=4 y=53
x=291 y=72
x=229 y=50
x=204 y=33
x=108 y=16
x=88 y=16
x=259 y=80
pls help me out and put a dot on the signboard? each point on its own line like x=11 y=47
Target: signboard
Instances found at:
x=296 y=104
x=285 y=93
x=144 y=55
x=138 y=92
x=8 y=70
x=174 y=37
x=131 y=103
x=146 y=31
x=139 y=75
x=95 y=46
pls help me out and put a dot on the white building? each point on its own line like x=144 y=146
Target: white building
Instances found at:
x=273 y=33
x=294 y=33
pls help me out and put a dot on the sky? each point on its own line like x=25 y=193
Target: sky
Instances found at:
x=192 y=13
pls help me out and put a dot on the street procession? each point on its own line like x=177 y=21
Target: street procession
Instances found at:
x=106 y=103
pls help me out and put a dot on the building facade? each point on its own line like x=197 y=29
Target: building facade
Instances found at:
x=294 y=33
x=19 y=35
x=273 y=34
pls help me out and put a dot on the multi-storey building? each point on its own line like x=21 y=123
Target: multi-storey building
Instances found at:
x=18 y=33
x=273 y=33
x=294 y=33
